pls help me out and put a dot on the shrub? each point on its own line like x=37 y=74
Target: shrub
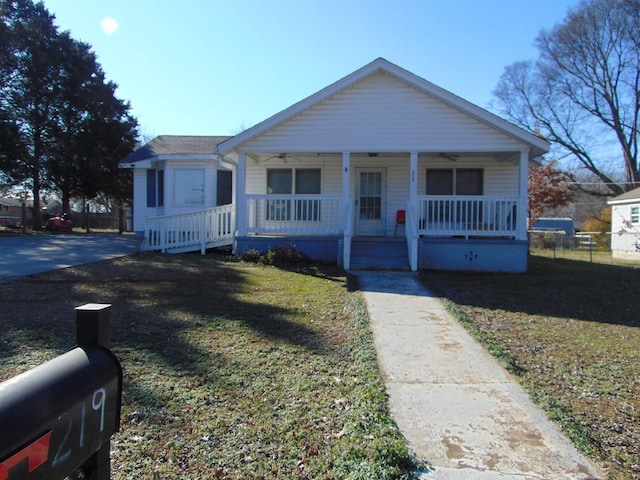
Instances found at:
x=280 y=256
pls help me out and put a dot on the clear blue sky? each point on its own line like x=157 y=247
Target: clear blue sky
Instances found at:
x=212 y=67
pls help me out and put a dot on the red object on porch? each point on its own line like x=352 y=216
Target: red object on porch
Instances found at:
x=401 y=217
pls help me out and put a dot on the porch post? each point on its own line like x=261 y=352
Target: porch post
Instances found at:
x=241 y=195
x=523 y=201
x=346 y=211
x=413 y=177
x=346 y=169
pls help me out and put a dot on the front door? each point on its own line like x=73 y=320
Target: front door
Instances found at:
x=370 y=201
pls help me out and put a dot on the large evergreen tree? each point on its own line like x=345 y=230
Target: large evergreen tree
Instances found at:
x=61 y=125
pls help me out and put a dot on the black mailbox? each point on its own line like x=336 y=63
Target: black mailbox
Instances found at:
x=56 y=416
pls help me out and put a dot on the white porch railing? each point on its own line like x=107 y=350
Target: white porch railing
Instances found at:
x=467 y=215
x=190 y=231
x=293 y=214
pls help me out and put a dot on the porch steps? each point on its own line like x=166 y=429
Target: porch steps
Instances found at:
x=379 y=253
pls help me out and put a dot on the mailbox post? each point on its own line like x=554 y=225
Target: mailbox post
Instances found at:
x=58 y=417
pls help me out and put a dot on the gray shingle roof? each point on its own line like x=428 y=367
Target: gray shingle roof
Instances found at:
x=630 y=195
x=175 y=145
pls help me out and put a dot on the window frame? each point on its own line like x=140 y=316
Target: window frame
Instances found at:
x=455 y=178
x=176 y=172
x=280 y=210
x=634 y=214
x=155 y=188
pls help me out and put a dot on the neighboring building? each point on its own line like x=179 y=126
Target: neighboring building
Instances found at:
x=381 y=169
x=564 y=225
x=625 y=225
x=556 y=232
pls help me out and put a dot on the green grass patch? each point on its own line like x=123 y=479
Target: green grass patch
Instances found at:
x=570 y=331
x=231 y=370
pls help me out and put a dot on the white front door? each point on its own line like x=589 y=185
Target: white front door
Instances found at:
x=370 y=201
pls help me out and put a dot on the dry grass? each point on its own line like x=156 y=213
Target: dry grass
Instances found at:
x=232 y=370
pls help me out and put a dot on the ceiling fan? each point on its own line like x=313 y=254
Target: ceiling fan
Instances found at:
x=449 y=156
x=285 y=157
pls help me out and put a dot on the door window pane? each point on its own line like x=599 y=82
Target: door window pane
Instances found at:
x=370 y=195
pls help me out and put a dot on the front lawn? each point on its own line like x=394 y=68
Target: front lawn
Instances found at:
x=231 y=371
x=570 y=331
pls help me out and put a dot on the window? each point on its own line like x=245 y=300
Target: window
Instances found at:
x=224 y=188
x=155 y=188
x=160 y=184
x=635 y=215
x=151 y=188
x=189 y=187
x=299 y=181
x=454 y=181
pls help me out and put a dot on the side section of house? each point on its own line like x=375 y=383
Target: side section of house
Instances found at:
x=173 y=175
x=625 y=225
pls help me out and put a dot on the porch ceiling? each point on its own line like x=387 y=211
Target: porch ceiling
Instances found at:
x=453 y=156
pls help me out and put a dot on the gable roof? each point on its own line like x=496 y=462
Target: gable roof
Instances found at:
x=175 y=145
x=627 y=197
x=537 y=145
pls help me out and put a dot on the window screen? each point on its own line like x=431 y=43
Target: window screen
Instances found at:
x=439 y=181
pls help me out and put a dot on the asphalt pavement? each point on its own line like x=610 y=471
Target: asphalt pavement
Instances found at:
x=25 y=255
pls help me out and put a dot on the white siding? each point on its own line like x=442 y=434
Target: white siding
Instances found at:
x=623 y=238
x=140 y=210
x=382 y=113
x=331 y=167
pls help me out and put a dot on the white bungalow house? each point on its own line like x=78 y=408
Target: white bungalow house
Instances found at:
x=381 y=169
x=625 y=225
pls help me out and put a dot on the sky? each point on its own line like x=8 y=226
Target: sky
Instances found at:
x=214 y=67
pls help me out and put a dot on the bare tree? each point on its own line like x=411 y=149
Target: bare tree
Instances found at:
x=583 y=92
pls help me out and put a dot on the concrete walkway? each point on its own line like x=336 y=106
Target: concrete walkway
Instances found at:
x=457 y=407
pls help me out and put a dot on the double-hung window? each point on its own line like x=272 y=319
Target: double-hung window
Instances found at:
x=297 y=181
x=155 y=188
x=634 y=214
x=459 y=182
x=454 y=181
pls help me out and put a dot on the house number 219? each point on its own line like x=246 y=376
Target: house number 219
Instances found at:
x=74 y=434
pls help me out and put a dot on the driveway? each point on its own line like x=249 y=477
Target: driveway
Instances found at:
x=26 y=255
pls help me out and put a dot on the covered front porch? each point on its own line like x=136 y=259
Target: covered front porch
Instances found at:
x=380 y=195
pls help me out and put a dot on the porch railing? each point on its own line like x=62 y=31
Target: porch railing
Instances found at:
x=293 y=214
x=467 y=215
x=210 y=227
